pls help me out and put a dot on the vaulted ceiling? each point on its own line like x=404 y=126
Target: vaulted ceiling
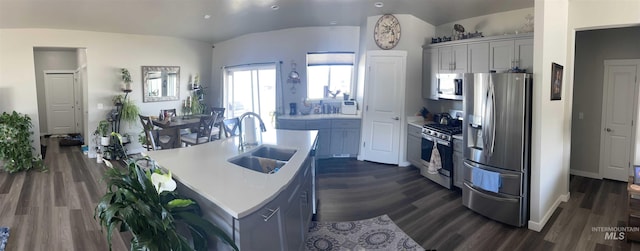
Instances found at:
x=229 y=18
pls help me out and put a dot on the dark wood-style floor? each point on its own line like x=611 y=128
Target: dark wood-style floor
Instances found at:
x=54 y=210
x=436 y=219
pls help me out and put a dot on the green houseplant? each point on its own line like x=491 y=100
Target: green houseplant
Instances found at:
x=144 y=203
x=129 y=111
x=126 y=79
x=15 y=143
x=103 y=131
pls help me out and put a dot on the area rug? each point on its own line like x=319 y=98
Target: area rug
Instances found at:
x=4 y=236
x=379 y=233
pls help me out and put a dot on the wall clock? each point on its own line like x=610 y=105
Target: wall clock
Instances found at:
x=386 y=33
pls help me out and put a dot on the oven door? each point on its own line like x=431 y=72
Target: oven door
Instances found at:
x=445 y=150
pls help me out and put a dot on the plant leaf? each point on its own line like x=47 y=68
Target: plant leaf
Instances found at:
x=179 y=203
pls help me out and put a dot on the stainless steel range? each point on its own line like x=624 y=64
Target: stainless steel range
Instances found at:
x=440 y=137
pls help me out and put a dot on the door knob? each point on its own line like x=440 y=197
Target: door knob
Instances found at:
x=609 y=130
x=396 y=118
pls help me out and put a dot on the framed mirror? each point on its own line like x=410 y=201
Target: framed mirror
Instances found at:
x=160 y=83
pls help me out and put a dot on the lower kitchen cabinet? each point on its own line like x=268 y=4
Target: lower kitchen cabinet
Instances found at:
x=335 y=136
x=458 y=161
x=414 y=148
x=281 y=224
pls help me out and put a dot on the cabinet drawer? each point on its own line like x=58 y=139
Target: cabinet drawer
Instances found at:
x=345 y=123
x=318 y=124
x=414 y=131
x=291 y=124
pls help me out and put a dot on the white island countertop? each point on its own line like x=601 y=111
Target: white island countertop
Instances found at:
x=239 y=191
x=322 y=116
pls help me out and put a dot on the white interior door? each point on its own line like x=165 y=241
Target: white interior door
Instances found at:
x=60 y=95
x=382 y=117
x=619 y=102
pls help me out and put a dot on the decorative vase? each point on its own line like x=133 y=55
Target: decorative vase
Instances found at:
x=105 y=140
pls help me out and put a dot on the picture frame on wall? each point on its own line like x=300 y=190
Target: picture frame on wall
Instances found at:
x=556 y=81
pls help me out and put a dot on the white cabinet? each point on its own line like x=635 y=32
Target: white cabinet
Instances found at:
x=324 y=134
x=478 y=57
x=429 y=73
x=506 y=54
x=452 y=59
x=414 y=148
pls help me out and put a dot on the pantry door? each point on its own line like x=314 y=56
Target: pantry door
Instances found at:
x=383 y=106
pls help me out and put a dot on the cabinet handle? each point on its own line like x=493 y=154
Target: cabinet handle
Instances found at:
x=272 y=213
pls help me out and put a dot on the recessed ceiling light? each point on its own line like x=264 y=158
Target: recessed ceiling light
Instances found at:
x=207 y=16
x=378 y=4
x=275 y=7
x=333 y=22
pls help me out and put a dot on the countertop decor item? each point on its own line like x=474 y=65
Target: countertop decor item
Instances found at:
x=386 y=33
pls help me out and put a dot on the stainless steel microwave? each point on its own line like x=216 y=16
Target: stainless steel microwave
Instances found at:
x=450 y=86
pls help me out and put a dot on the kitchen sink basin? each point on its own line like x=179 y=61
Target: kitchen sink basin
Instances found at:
x=264 y=159
x=271 y=152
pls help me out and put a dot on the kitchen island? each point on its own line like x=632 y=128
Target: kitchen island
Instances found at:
x=258 y=210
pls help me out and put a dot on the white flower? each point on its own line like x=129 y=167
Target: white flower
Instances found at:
x=163 y=182
x=108 y=163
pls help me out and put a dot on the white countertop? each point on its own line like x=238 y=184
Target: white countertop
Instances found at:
x=457 y=136
x=237 y=190
x=323 y=116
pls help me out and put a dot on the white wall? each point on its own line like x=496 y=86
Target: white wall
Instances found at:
x=50 y=59
x=106 y=54
x=592 y=48
x=500 y=23
x=549 y=154
x=280 y=45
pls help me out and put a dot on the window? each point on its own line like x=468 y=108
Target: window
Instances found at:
x=329 y=72
x=251 y=88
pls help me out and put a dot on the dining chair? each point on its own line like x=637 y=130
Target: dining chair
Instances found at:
x=231 y=127
x=218 y=124
x=203 y=133
x=166 y=138
x=147 y=126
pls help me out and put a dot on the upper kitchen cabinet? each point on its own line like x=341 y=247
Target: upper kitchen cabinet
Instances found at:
x=429 y=72
x=452 y=59
x=478 y=57
x=507 y=54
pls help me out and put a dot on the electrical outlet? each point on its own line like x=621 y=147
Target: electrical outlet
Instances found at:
x=100 y=106
x=580 y=115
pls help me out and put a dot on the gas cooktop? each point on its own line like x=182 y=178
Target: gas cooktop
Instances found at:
x=446 y=129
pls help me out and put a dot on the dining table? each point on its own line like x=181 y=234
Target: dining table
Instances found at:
x=178 y=122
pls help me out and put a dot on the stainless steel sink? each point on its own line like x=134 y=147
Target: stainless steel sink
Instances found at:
x=276 y=153
x=264 y=159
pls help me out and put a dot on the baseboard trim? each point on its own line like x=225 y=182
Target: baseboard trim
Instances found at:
x=404 y=164
x=585 y=174
x=538 y=226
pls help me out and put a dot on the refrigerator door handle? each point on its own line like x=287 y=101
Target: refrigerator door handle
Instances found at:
x=493 y=117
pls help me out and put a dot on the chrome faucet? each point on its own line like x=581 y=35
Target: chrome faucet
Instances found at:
x=263 y=128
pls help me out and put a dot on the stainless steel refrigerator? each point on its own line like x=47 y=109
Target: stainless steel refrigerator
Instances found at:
x=496 y=148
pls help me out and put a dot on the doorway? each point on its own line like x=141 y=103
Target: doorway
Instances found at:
x=60 y=77
x=592 y=49
x=251 y=88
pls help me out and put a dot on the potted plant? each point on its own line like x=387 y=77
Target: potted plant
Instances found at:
x=15 y=143
x=145 y=203
x=129 y=111
x=118 y=99
x=103 y=132
x=126 y=79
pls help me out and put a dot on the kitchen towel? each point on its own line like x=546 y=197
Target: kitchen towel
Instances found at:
x=486 y=180
x=435 y=162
